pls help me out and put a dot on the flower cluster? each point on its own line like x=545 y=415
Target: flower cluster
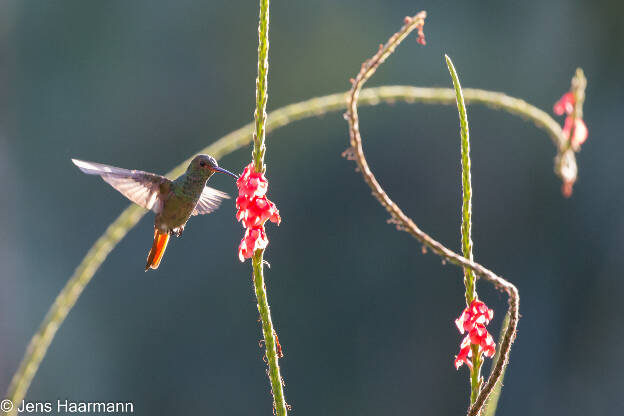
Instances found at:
x=473 y=321
x=254 y=209
x=574 y=129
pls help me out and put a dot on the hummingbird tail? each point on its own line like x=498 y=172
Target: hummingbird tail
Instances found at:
x=158 y=249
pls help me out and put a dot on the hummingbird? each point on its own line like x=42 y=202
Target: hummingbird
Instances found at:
x=173 y=201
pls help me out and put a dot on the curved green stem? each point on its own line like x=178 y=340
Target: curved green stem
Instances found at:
x=83 y=274
x=66 y=299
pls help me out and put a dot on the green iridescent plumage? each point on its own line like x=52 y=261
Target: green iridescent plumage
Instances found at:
x=174 y=202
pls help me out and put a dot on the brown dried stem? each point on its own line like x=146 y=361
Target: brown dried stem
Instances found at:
x=406 y=224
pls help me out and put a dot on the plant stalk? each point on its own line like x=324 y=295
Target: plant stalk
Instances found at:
x=466 y=226
x=259 y=149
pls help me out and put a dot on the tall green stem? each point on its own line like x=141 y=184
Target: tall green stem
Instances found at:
x=277 y=387
x=466 y=226
x=261 y=87
x=469 y=277
x=279 y=401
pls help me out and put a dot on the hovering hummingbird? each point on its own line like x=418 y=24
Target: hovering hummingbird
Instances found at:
x=173 y=201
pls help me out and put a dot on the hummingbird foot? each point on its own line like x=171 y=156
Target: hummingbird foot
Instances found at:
x=177 y=231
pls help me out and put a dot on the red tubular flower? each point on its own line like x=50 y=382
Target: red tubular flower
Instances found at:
x=473 y=321
x=565 y=105
x=254 y=239
x=578 y=129
x=489 y=346
x=252 y=183
x=254 y=209
x=574 y=129
x=476 y=313
x=465 y=354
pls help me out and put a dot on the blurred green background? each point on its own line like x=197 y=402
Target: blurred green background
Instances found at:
x=365 y=320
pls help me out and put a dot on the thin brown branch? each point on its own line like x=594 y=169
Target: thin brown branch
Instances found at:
x=405 y=223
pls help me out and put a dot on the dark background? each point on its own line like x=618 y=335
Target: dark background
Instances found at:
x=366 y=321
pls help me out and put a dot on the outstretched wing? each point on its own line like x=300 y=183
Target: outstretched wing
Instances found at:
x=140 y=187
x=209 y=200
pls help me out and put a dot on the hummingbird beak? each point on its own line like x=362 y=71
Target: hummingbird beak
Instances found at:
x=227 y=172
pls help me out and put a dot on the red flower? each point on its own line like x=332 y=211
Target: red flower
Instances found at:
x=254 y=239
x=489 y=347
x=564 y=105
x=465 y=354
x=252 y=183
x=574 y=129
x=254 y=209
x=476 y=313
x=481 y=337
x=473 y=320
x=579 y=129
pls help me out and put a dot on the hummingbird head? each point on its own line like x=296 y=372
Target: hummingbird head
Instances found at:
x=206 y=165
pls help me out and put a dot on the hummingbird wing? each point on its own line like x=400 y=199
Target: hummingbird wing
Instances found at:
x=142 y=188
x=209 y=200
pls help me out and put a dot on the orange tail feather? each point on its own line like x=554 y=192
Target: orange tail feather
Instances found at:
x=158 y=249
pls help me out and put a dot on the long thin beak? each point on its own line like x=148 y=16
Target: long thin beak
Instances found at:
x=227 y=172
